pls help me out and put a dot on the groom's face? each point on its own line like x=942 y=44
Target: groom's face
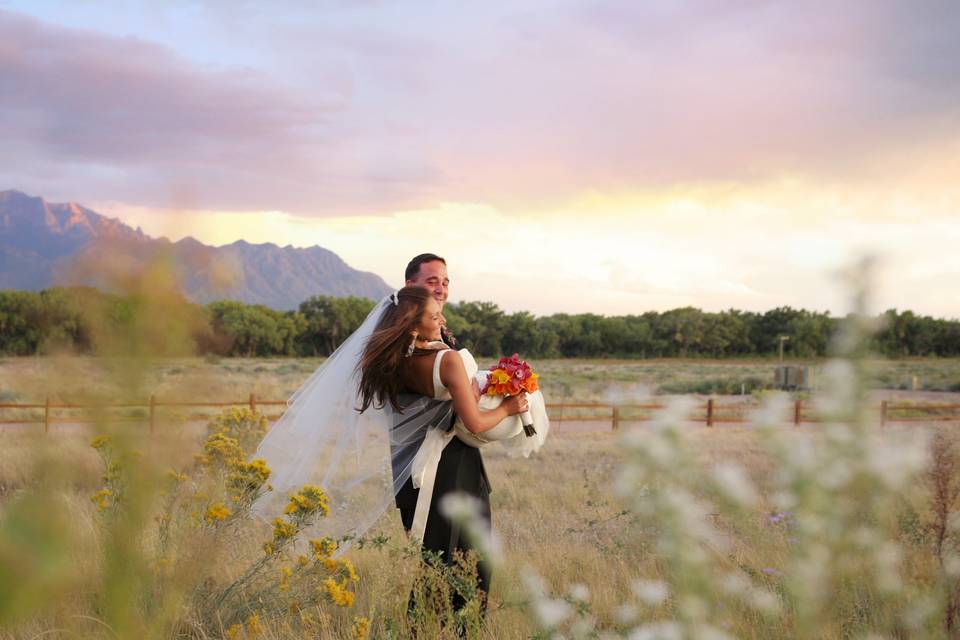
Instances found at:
x=433 y=277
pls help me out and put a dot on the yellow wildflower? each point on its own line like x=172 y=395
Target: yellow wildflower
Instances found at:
x=101 y=498
x=283 y=530
x=337 y=593
x=330 y=565
x=285 y=574
x=309 y=500
x=176 y=476
x=302 y=560
x=234 y=631
x=361 y=628
x=323 y=547
x=217 y=512
x=253 y=625
x=100 y=441
x=248 y=477
x=113 y=472
x=223 y=449
x=351 y=572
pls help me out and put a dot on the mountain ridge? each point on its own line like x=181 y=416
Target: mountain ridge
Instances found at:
x=43 y=244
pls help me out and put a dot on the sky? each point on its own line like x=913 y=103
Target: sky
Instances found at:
x=611 y=157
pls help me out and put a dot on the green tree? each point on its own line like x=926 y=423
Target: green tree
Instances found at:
x=328 y=321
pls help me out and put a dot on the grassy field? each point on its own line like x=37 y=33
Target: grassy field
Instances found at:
x=666 y=531
x=27 y=379
x=558 y=514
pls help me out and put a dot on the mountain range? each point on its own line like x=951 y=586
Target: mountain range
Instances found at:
x=43 y=244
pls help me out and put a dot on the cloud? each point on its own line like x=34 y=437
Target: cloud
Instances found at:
x=379 y=107
x=127 y=119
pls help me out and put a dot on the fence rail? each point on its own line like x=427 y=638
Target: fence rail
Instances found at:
x=711 y=412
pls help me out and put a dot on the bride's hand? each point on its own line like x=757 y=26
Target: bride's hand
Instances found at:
x=516 y=404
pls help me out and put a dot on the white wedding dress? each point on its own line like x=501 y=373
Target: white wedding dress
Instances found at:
x=509 y=433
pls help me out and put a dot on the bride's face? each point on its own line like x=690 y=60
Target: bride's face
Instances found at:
x=431 y=321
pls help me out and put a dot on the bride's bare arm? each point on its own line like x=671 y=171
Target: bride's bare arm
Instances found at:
x=455 y=379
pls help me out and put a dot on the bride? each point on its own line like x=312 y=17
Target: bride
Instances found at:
x=414 y=436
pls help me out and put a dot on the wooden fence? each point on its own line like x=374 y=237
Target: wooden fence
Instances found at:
x=711 y=412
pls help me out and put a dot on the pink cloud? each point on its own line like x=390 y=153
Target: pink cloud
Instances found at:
x=357 y=110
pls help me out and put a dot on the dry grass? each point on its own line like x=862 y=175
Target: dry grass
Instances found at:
x=28 y=379
x=556 y=513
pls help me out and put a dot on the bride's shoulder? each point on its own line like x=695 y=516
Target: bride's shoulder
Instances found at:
x=461 y=359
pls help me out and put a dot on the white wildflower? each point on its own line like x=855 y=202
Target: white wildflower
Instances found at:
x=887 y=567
x=551 y=611
x=579 y=592
x=840 y=383
x=951 y=565
x=735 y=584
x=734 y=484
x=764 y=601
x=666 y=630
x=772 y=412
x=626 y=614
x=674 y=415
x=651 y=592
x=800 y=453
x=583 y=627
x=465 y=509
x=895 y=459
x=836 y=475
x=659 y=450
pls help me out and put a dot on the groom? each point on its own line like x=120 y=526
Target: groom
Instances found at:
x=429 y=271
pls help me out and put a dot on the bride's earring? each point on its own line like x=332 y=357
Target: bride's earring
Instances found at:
x=412 y=347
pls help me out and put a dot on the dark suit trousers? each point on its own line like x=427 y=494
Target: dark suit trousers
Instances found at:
x=460 y=470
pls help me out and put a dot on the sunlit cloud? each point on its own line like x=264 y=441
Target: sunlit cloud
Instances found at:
x=714 y=248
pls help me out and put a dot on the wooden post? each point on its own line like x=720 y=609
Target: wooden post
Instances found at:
x=153 y=409
x=616 y=418
x=797 y=412
x=253 y=401
x=883 y=413
x=710 y=412
x=46 y=416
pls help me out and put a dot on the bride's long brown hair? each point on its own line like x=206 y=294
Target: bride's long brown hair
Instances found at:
x=384 y=354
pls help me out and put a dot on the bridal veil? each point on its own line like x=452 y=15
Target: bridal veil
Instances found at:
x=359 y=459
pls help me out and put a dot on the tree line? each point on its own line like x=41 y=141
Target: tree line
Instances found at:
x=86 y=320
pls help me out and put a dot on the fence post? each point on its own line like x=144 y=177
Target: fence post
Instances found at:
x=797 y=412
x=253 y=401
x=153 y=408
x=616 y=418
x=883 y=413
x=709 y=412
x=46 y=416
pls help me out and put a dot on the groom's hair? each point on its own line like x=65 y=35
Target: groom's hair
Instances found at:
x=413 y=267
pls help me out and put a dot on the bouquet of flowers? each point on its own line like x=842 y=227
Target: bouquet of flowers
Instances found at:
x=509 y=377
